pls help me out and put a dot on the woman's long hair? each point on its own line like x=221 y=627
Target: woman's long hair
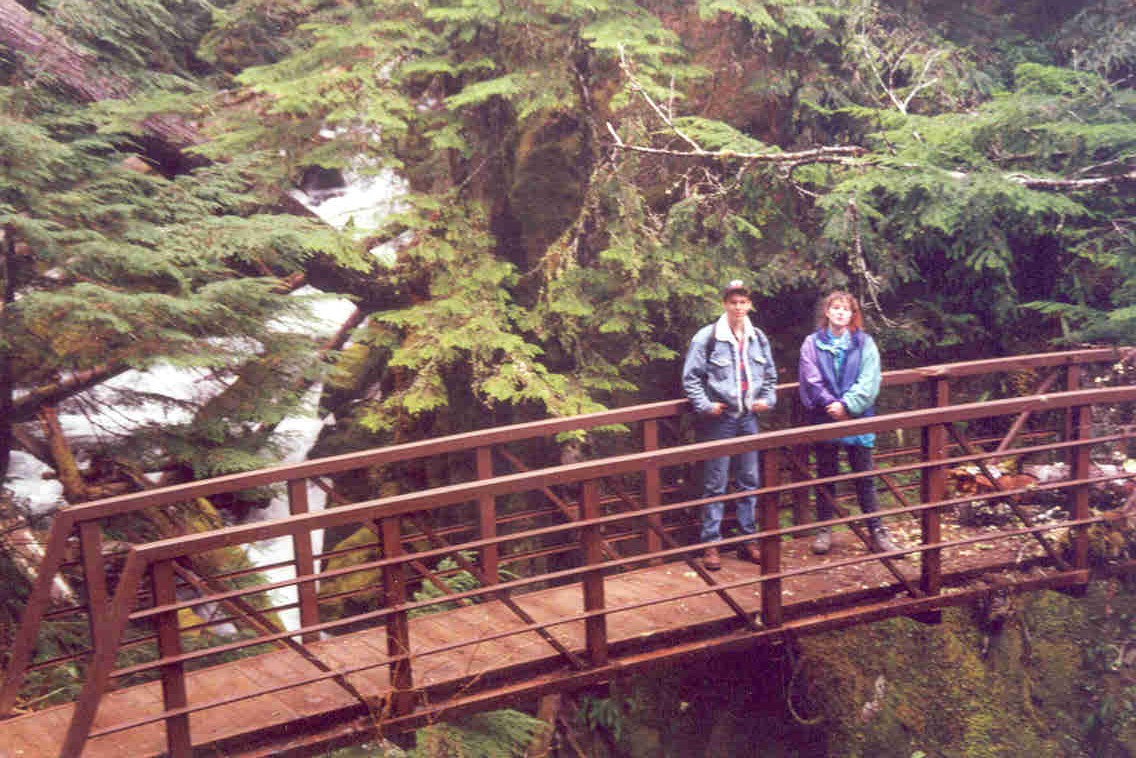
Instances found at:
x=857 y=322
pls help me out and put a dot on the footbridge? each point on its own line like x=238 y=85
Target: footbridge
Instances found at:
x=537 y=570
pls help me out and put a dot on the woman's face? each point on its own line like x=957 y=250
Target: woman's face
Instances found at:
x=839 y=314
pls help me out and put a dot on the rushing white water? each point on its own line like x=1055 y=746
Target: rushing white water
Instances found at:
x=296 y=434
x=29 y=485
x=360 y=205
x=165 y=394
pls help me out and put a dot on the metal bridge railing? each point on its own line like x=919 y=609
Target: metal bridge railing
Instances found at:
x=602 y=502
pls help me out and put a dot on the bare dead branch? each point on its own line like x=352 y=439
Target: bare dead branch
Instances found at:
x=842 y=154
x=1034 y=182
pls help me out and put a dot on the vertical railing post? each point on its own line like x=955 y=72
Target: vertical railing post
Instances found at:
x=593 y=584
x=94 y=579
x=174 y=695
x=652 y=489
x=1080 y=418
x=304 y=558
x=487 y=518
x=799 y=455
x=769 y=505
x=398 y=626
x=1072 y=382
x=932 y=489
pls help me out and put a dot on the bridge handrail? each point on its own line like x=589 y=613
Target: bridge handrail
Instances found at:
x=466 y=441
x=144 y=558
x=396 y=505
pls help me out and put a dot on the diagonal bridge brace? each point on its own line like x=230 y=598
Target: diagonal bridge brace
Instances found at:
x=558 y=501
x=254 y=618
x=1026 y=519
x=438 y=541
x=859 y=530
x=669 y=542
x=502 y=595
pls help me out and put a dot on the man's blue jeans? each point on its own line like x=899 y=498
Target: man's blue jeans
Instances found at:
x=716 y=474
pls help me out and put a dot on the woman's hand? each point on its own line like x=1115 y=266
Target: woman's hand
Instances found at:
x=836 y=410
x=760 y=406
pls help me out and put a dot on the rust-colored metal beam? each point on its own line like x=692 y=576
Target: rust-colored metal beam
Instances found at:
x=1025 y=518
x=860 y=531
x=502 y=595
x=1016 y=428
x=568 y=511
x=592 y=582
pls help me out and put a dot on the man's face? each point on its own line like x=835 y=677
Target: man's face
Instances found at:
x=737 y=306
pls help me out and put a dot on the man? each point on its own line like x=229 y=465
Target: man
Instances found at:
x=729 y=378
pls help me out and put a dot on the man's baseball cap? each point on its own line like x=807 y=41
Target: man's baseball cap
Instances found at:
x=735 y=287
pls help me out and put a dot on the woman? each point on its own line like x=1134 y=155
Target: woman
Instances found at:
x=840 y=379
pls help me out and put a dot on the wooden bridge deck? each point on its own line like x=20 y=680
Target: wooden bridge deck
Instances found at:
x=41 y=733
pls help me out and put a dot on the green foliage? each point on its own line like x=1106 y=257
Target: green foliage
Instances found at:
x=465 y=326
x=602 y=713
x=775 y=16
x=118 y=268
x=483 y=735
x=457 y=581
x=138 y=36
x=540 y=268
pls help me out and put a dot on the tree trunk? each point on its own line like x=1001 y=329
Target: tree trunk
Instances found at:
x=49 y=54
x=6 y=389
x=66 y=467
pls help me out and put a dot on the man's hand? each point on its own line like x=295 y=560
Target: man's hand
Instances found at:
x=716 y=409
x=760 y=406
x=836 y=410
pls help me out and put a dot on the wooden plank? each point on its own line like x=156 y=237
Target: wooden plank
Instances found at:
x=355 y=650
x=226 y=681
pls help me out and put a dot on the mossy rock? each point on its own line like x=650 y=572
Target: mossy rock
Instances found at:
x=1044 y=676
x=359 y=584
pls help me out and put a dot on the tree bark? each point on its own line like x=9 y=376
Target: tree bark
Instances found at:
x=66 y=467
x=7 y=254
x=49 y=54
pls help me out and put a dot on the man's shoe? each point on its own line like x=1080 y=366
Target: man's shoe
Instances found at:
x=823 y=542
x=882 y=542
x=748 y=551
x=710 y=559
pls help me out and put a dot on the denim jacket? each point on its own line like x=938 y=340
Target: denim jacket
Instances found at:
x=710 y=373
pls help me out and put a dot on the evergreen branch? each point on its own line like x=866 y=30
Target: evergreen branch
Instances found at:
x=1043 y=183
x=28 y=404
x=52 y=55
x=826 y=154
